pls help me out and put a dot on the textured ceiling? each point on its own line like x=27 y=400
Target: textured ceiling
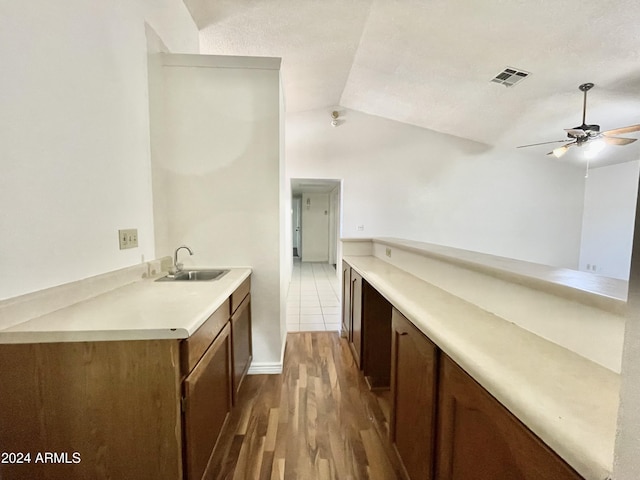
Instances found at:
x=430 y=63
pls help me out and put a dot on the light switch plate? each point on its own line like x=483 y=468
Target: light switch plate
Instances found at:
x=128 y=238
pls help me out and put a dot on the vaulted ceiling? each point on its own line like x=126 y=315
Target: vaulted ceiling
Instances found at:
x=430 y=63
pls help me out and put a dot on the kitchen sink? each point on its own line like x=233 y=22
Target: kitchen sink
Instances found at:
x=194 y=276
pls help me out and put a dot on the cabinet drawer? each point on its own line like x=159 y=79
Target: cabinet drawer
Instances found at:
x=239 y=294
x=194 y=347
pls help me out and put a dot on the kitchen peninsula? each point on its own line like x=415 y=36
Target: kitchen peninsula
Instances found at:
x=522 y=357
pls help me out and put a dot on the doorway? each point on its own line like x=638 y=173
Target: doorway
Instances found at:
x=316 y=218
x=313 y=299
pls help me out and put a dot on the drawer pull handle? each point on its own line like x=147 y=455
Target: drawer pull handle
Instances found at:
x=403 y=333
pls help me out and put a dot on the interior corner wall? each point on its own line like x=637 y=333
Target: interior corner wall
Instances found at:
x=609 y=215
x=404 y=181
x=286 y=246
x=74 y=135
x=218 y=175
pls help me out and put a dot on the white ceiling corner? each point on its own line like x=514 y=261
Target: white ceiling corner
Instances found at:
x=430 y=64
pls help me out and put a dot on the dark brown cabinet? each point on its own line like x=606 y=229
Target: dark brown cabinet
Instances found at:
x=206 y=366
x=366 y=319
x=206 y=403
x=114 y=405
x=414 y=371
x=346 y=300
x=143 y=409
x=443 y=424
x=479 y=438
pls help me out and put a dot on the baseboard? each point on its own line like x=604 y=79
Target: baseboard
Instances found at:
x=262 y=368
x=269 y=368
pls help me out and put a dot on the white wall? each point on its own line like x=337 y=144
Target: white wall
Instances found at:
x=409 y=182
x=315 y=227
x=334 y=224
x=218 y=177
x=627 y=460
x=74 y=135
x=607 y=224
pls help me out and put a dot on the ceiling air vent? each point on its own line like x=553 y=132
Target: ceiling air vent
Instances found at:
x=510 y=76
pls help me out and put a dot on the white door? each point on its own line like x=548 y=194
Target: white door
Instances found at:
x=296 y=204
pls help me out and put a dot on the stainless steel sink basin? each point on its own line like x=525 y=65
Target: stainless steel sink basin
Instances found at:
x=194 y=276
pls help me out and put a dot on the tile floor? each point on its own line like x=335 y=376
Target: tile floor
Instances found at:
x=313 y=302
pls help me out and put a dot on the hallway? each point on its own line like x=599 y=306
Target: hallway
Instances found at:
x=316 y=420
x=313 y=301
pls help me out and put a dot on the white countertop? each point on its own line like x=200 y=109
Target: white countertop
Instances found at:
x=602 y=292
x=144 y=310
x=570 y=402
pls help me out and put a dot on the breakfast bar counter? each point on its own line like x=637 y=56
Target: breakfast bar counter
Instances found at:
x=570 y=402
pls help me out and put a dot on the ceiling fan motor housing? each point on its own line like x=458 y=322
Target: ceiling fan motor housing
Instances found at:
x=583 y=131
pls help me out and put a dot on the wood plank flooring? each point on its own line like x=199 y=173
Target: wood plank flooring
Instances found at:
x=317 y=420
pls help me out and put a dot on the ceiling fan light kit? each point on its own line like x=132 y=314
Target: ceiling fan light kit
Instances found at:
x=584 y=133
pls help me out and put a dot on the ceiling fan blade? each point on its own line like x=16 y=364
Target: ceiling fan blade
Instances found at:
x=618 y=140
x=545 y=143
x=558 y=152
x=617 y=131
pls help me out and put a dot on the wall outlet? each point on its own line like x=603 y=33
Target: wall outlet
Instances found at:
x=388 y=252
x=128 y=238
x=360 y=228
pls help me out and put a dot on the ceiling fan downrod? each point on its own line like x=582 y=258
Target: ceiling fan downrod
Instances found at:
x=585 y=87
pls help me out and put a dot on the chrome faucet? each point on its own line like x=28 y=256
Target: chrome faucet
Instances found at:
x=178 y=266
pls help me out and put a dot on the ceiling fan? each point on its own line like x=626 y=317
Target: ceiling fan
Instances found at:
x=584 y=133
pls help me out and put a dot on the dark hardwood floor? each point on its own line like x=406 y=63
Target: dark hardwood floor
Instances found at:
x=317 y=420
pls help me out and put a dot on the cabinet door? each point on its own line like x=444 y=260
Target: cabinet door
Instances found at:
x=414 y=369
x=478 y=438
x=207 y=401
x=241 y=337
x=356 y=316
x=346 y=301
